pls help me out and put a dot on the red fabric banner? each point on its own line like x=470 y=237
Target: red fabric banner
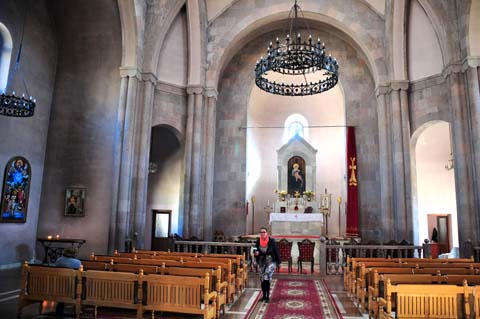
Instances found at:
x=352 y=182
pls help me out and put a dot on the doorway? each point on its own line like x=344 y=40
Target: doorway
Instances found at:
x=443 y=225
x=161 y=228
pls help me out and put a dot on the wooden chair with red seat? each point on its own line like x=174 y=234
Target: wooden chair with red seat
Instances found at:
x=285 y=248
x=306 y=250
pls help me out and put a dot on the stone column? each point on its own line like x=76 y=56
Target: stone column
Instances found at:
x=398 y=158
x=462 y=151
x=407 y=168
x=193 y=222
x=385 y=164
x=196 y=207
x=473 y=75
x=211 y=115
x=188 y=163
x=123 y=158
x=143 y=143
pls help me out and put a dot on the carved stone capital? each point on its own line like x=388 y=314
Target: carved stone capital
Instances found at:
x=149 y=77
x=455 y=67
x=130 y=71
x=194 y=90
x=470 y=62
x=381 y=89
x=211 y=92
x=399 y=85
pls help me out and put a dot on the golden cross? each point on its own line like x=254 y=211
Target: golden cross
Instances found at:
x=353 y=179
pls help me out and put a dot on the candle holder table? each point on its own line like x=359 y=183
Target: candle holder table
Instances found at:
x=54 y=246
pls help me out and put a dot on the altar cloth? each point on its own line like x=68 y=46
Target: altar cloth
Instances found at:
x=295 y=217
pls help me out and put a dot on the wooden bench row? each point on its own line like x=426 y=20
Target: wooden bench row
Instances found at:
x=358 y=267
x=366 y=277
x=428 y=301
x=377 y=290
x=217 y=284
x=234 y=286
x=180 y=294
x=239 y=266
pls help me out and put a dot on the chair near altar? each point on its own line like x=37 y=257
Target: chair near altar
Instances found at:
x=306 y=249
x=285 y=248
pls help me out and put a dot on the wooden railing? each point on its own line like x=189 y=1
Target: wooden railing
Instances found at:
x=332 y=256
x=335 y=255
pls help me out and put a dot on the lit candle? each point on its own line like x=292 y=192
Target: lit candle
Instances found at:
x=57 y=237
x=49 y=237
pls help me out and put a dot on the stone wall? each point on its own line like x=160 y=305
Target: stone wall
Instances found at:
x=82 y=132
x=27 y=136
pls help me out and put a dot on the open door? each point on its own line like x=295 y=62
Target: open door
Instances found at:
x=443 y=225
x=161 y=223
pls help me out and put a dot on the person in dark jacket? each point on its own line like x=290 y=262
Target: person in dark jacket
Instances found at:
x=268 y=257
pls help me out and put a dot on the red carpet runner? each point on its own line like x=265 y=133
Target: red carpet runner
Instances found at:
x=298 y=299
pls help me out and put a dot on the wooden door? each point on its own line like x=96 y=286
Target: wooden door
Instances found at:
x=161 y=227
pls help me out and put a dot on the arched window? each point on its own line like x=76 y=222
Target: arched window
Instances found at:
x=5 y=55
x=295 y=128
x=16 y=186
x=295 y=124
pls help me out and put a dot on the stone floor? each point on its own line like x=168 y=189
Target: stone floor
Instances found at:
x=243 y=306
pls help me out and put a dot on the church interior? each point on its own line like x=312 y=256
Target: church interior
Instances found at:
x=148 y=124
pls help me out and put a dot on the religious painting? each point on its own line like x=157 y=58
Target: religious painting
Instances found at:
x=75 y=202
x=296 y=176
x=16 y=187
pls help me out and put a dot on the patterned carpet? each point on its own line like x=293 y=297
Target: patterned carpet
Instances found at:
x=298 y=299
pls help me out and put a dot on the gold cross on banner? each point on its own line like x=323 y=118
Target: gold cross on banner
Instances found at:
x=353 y=179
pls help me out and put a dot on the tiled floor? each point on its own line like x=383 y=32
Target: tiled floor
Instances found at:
x=245 y=304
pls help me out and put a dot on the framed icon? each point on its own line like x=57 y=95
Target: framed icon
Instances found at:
x=75 y=202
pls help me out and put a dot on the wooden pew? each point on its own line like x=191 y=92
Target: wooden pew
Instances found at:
x=109 y=289
x=425 y=301
x=179 y=294
x=377 y=290
x=41 y=283
x=216 y=284
x=133 y=268
x=94 y=265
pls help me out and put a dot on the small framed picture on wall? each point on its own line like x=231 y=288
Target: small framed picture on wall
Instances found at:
x=75 y=201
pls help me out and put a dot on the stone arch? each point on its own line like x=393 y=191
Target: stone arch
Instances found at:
x=474 y=29
x=440 y=28
x=6 y=45
x=419 y=217
x=173 y=129
x=155 y=33
x=165 y=183
x=252 y=22
x=130 y=43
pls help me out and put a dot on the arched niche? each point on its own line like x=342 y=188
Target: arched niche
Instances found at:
x=297 y=146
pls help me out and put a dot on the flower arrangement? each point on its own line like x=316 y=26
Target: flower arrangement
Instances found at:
x=309 y=194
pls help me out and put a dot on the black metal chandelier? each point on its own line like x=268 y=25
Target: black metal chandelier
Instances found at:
x=11 y=104
x=297 y=58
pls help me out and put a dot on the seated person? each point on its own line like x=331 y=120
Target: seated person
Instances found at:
x=67 y=260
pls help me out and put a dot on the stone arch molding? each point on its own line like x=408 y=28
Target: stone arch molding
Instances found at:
x=128 y=16
x=297 y=146
x=361 y=25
